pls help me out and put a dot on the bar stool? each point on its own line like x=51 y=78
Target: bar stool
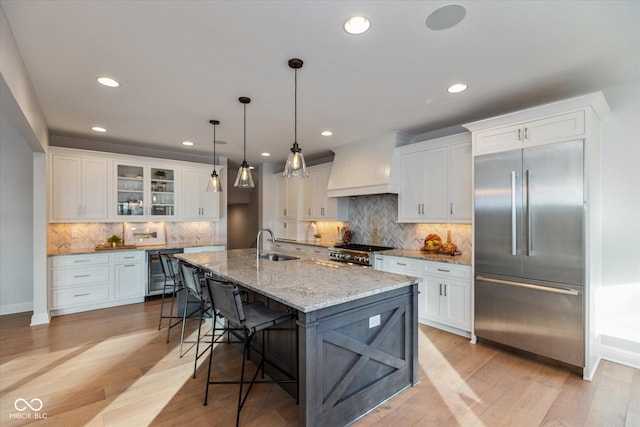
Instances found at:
x=250 y=319
x=193 y=285
x=172 y=283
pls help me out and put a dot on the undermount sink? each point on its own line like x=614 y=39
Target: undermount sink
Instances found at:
x=277 y=257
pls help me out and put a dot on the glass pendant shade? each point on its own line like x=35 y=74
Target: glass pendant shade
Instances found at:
x=295 y=166
x=214 y=185
x=244 y=178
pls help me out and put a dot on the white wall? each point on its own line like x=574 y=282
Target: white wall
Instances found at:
x=618 y=298
x=16 y=220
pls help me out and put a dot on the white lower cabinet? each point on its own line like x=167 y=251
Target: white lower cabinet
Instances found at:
x=445 y=292
x=448 y=294
x=92 y=281
x=128 y=274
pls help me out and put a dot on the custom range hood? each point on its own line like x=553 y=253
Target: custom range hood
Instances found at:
x=366 y=167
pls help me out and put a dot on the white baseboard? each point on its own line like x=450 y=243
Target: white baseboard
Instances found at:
x=16 y=308
x=620 y=351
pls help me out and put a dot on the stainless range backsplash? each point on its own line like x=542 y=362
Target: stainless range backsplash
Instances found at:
x=373 y=220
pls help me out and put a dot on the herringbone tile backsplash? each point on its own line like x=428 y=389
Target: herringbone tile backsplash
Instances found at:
x=373 y=220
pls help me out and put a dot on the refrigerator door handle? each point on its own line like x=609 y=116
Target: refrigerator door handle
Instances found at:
x=514 y=249
x=529 y=213
x=530 y=286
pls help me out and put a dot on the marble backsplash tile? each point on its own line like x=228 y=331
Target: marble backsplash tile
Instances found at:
x=89 y=235
x=372 y=220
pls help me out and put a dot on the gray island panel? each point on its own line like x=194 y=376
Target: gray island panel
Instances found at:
x=357 y=330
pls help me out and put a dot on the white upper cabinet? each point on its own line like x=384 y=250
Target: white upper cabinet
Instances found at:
x=79 y=188
x=92 y=186
x=197 y=203
x=316 y=206
x=289 y=196
x=435 y=181
x=145 y=191
x=546 y=130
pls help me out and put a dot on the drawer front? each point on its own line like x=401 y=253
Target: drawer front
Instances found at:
x=79 y=260
x=318 y=252
x=65 y=277
x=446 y=270
x=80 y=295
x=132 y=256
x=400 y=265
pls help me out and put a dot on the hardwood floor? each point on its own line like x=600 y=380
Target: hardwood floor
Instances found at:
x=112 y=367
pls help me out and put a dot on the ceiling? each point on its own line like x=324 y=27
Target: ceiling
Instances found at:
x=182 y=63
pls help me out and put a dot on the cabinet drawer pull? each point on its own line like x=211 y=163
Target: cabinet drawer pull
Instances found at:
x=81 y=260
x=445 y=289
x=519 y=134
x=401 y=263
x=129 y=257
x=445 y=270
x=440 y=292
x=81 y=295
x=526 y=133
x=81 y=275
x=130 y=265
x=298 y=249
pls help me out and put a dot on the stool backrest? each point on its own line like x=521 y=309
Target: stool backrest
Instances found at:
x=227 y=301
x=190 y=279
x=167 y=266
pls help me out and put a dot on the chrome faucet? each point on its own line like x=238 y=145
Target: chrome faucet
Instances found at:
x=258 y=242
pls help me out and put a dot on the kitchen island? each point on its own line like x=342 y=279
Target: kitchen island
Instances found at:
x=358 y=336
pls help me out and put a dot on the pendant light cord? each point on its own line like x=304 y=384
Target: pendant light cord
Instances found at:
x=295 y=105
x=214 y=147
x=245 y=133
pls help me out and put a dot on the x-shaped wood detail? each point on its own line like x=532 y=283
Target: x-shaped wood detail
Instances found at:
x=366 y=352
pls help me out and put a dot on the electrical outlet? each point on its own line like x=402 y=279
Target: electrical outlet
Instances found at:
x=374 y=321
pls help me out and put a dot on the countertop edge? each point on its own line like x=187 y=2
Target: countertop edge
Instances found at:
x=84 y=251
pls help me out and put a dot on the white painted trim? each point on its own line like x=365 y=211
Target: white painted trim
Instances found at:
x=41 y=319
x=40 y=273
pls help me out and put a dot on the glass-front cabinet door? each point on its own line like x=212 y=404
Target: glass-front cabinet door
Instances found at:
x=130 y=193
x=145 y=191
x=162 y=192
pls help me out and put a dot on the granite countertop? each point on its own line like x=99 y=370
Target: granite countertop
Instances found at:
x=80 y=251
x=464 y=259
x=304 y=284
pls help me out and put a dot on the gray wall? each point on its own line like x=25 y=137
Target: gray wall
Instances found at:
x=16 y=219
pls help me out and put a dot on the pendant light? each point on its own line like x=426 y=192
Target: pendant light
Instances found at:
x=244 y=179
x=214 y=185
x=295 y=166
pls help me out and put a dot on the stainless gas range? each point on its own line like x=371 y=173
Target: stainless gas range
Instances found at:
x=355 y=253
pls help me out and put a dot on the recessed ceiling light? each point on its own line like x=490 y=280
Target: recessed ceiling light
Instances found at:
x=446 y=17
x=326 y=133
x=98 y=129
x=106 y=81
x=456 y=88
x=265 y=154
x=357 y=25
x=187 y=143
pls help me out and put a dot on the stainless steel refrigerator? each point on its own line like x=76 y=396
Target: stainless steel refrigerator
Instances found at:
x=529 y=246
